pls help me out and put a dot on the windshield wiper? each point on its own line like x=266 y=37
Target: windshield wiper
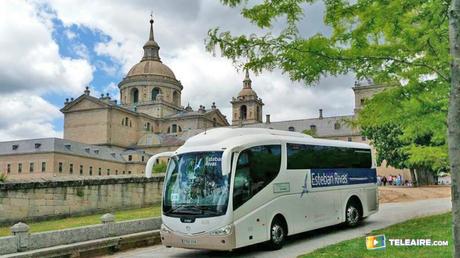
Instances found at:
x=207 y=210
x=185 y=209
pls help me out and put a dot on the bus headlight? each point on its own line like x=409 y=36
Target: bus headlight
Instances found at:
x=165 y=229
x=222 y=231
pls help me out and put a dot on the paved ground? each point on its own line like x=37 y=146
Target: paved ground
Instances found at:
x=390 y=213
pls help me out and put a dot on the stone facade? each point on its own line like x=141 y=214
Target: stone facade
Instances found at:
x=53 y=157
x=149 y=119
x=365 y=91
x=150 y=103
x=52 y=199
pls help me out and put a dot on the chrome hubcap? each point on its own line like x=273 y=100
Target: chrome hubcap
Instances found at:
x=352 y=215
x=277 y=234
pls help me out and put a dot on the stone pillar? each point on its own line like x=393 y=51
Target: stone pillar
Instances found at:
x=21 y=232
x=108 y=220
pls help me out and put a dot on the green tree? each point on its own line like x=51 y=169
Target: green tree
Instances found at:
x=407 y=126
x=160 y=167
x=2 y=177
x=390 y=41
x=310 y=132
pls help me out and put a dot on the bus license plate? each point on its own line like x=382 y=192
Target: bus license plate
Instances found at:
x=189 y=241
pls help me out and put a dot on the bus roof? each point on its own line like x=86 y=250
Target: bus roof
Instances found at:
x=225 y=137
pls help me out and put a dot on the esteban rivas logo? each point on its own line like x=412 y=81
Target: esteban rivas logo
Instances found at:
x=375 y=242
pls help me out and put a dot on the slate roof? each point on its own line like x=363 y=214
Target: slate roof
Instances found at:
x=325 y=127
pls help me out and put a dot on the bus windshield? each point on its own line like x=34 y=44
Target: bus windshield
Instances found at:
x=195 y=185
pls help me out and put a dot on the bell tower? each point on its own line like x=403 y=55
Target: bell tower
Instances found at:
x=247 y=106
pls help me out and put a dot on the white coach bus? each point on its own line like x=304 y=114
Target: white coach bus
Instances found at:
x=228 y=188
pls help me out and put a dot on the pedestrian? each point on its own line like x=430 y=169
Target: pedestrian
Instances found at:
x=384 y=180
x=390 y=180
x=379 y=180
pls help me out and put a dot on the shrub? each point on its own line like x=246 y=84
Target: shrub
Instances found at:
x=159 y=168
x=3 y=177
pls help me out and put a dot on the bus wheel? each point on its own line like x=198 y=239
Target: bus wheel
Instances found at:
x=353 y=214
x=277 y=234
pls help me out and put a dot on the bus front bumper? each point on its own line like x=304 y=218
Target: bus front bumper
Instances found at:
x=199 y=241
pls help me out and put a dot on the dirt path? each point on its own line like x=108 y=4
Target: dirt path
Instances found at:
x=407 y=194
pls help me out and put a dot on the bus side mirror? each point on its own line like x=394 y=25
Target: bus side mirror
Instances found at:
x=226 y=161
x=153 y=160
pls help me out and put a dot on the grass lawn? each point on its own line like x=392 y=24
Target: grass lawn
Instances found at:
x=72 y=222
x=436 y=228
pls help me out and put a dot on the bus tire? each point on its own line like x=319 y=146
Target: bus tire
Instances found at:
x=353 y=213
x=278 y=233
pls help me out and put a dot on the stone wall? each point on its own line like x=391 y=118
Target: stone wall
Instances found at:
x=32 y=201
x=23 y=241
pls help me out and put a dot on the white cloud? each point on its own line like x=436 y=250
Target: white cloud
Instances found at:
x=24 y=116
x=31 y=67
x=81 y=50
x=70 y=34
x=180 y=29
x=33 y=63
x=111 y=70
x=31 y=60
x=113 y=91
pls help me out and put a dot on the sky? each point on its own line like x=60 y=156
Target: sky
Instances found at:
x=52 y=49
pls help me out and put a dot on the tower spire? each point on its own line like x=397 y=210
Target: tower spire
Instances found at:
x=247 y=81
x=151 y=27
x=151 y=47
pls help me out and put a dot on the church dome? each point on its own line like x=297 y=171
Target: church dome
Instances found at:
x=246 y=92
x=151 y=63
x=151 y=67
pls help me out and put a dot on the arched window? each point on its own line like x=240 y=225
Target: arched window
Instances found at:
x=147 y=126
x=258 y=116
x=214 y=122
x=243 y=112
x=155 y=93
x=176 y=98
x=135 y=95
x=180 y=129
x=169 y=129
x=291 y=129
x=174 y=128
x=126 y=121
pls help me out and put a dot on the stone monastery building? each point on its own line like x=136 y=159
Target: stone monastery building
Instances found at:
x=104 y=137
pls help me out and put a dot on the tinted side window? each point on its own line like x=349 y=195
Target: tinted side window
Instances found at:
x=302 y=156
x=256 y=168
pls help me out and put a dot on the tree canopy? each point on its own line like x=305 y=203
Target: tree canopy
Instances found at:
x=403 y=44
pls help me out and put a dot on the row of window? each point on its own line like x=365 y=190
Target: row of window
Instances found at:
x=100 y=171
x=258 y=166
x=174 y=128
x=300 y=156
x=155 y=92
x=126 y=122
x=20 y=167
x=32 y=168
